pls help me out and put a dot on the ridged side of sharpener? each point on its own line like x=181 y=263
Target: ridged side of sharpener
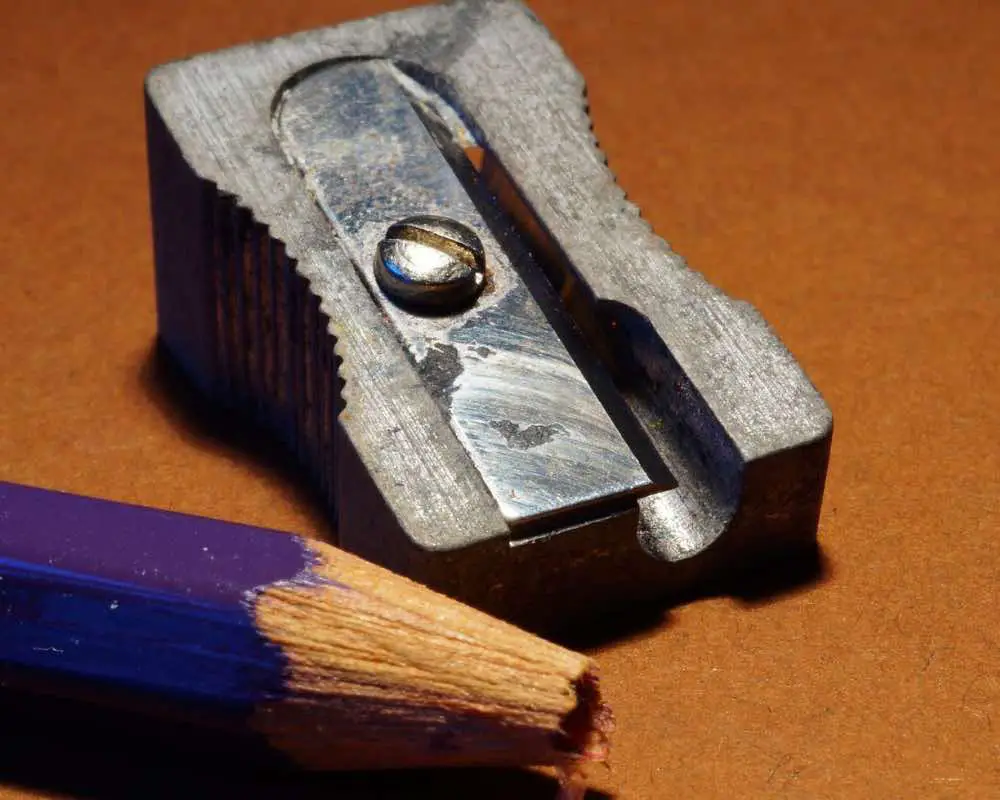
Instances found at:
x=235 y=314
x=275 y=354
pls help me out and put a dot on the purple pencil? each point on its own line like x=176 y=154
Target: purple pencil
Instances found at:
x=333 y=662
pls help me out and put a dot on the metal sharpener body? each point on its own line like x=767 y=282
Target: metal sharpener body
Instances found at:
x=590 y=424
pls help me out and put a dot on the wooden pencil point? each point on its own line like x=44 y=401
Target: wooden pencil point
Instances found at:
x=383 y=672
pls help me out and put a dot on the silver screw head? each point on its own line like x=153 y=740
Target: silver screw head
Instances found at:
x=431 y=263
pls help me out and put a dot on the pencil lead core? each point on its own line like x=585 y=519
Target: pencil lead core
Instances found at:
x=587 y=728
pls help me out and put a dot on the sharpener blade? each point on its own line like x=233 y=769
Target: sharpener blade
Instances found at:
x=523 y=410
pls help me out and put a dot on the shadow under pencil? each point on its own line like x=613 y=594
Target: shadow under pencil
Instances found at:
x=69 y=747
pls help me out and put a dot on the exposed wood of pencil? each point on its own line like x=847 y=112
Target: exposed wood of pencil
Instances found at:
x=385 y=672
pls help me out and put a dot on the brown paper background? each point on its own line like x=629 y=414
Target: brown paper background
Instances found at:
x=834 y=163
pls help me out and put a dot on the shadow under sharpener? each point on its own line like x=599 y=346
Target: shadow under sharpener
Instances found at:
x=590 y=425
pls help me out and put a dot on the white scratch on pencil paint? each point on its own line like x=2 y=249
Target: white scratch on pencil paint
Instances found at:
x=113 y=605
x=55 y=650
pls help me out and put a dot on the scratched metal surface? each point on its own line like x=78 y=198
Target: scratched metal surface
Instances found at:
x=834 y=163
x=713 y=392
x=500 y=368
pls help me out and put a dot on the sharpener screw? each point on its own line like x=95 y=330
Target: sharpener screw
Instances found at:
x=431 y=263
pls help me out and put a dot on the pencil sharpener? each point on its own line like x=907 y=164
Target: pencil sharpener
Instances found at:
x=396 y=245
